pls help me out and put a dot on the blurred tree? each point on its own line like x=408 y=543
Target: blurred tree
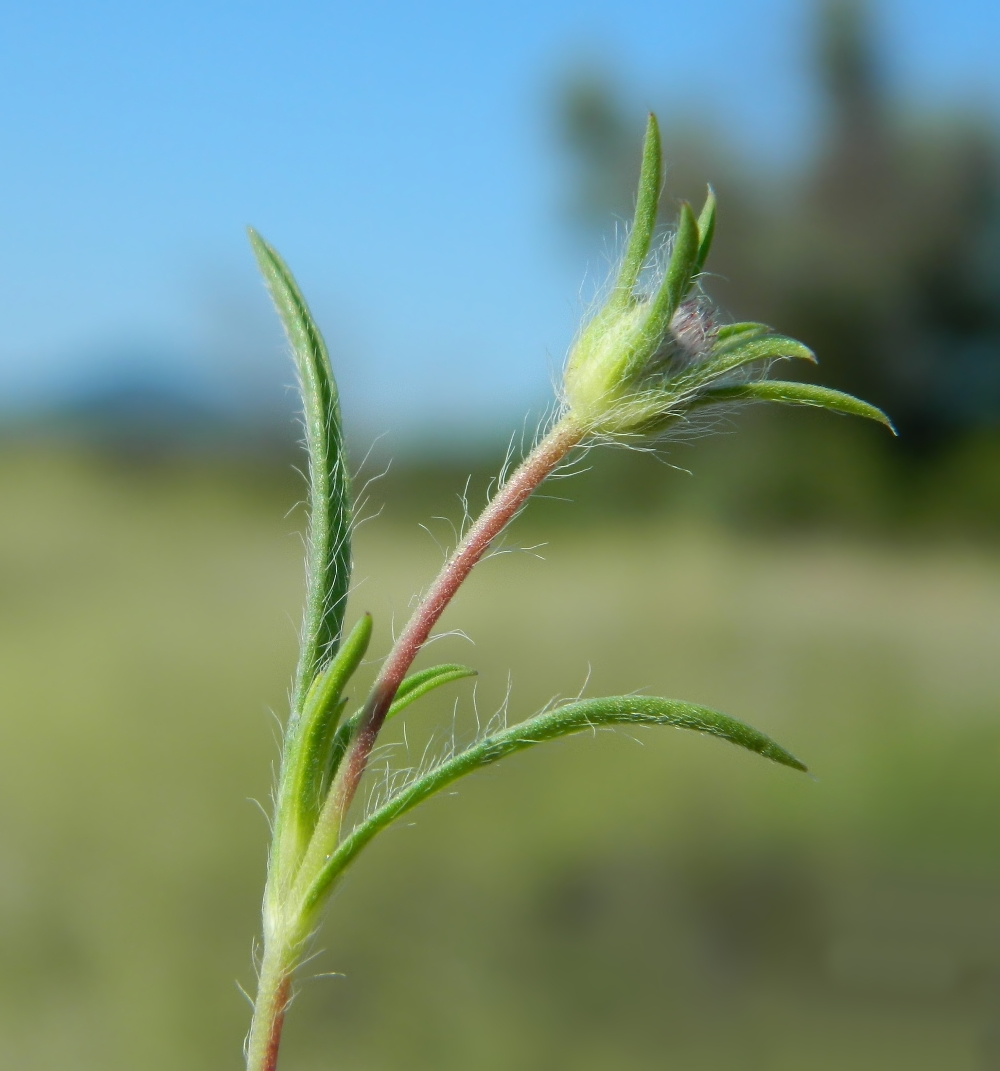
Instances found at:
x=892 y=269
x=884 y=255
x=602 y=141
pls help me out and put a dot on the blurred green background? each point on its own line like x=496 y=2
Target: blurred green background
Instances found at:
x=629 y=901
x=637 y=900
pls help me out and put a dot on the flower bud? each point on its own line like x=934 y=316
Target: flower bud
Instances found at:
x=650 y=356
x=616 y=371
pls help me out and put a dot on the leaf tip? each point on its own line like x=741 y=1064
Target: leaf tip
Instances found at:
x=786 y=758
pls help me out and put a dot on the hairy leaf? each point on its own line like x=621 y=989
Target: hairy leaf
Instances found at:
x=775 y=390
x=419 y=684
x=308 y=746
x=412 y=688
x=747 y=329
x=679 y=274
x=738 y=351
x=577 y=717
x=644 y=223
x=329 y=541
x=743 y=349
x=706 y=231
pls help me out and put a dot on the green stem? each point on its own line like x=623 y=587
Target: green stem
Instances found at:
x=273 y=991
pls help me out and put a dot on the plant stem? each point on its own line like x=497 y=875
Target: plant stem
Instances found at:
x=500 y=511
x=276 y=969
x=273 y=988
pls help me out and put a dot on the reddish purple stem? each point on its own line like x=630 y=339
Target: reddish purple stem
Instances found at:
x=280 y=1006
x=497 y=515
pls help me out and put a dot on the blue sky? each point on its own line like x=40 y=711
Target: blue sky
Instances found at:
x=401 y=157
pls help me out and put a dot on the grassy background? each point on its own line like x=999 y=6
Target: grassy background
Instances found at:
x=633 y=901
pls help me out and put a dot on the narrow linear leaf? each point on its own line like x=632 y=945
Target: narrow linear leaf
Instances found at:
x=419 y=684
x=308 y=743
x=679 y=274
x=329 y=541
x=745 y=348
x=745 y=330
x=706 y=231
x=577 y=717
x=773 y=390
x=329 y=683
x=737 y=352
x=644 y=222
x=412 y=688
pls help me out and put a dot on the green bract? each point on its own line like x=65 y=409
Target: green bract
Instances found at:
x=652 y=354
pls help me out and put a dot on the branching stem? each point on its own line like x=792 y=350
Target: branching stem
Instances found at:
x=280 y=951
